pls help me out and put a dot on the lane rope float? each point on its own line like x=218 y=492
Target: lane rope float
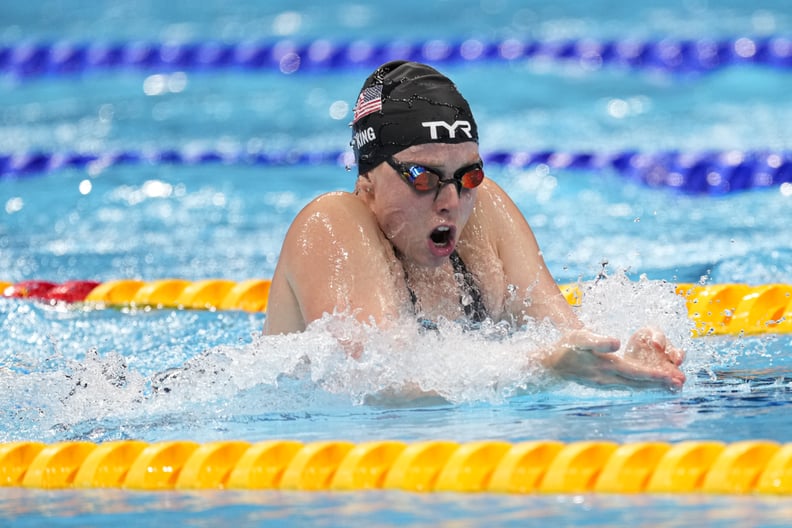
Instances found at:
x=31 y=59
x=489 y=466
x=715 y=309
x=711 y=172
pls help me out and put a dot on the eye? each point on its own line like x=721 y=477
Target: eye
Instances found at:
x=415 y=171
x=472 y=178
x=422 y=178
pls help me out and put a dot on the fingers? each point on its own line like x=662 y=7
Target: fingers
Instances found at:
x=622 y=373
x=585 y=341
x=646 y=340
x=645 y=376
x=649 y=360
x=669 y=377
x=657 y=338
x=660 y=344
x=678 y=380
x=651 y=344
x=676 y=355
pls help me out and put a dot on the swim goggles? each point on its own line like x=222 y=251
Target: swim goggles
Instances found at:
x=424 y=180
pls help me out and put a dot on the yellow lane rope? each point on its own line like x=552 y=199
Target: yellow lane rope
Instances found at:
x=542 y=466
x=733 y=309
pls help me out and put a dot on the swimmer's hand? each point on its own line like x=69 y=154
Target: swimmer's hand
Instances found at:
x=649 y=361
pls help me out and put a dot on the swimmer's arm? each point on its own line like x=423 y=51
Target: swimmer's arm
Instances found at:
x=332 y=262
x=537 y=294
x=647 y=359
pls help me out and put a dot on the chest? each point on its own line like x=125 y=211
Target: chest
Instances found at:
x=470 y=286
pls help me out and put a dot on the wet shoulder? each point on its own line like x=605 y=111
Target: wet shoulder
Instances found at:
x=478 y=246
x=492 y=203
x=337 y=219
x=338 y=209
x=488 y=212
x=337 y=204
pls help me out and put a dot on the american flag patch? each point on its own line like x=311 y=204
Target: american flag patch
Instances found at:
x=370 y=101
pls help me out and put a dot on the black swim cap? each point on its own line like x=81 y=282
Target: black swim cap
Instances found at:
x=403 y=104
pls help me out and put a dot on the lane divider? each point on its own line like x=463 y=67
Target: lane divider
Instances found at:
x=716 y=309
x=490 y=466
x=30 y=59
x=728 y=309
x=738 y=308
x=210 y=294
x=711 y=172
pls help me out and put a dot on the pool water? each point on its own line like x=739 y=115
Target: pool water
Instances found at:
x=73 y=372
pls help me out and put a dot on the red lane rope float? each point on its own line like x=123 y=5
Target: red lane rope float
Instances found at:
x=489 y=466
x=210 y=294
x=70 y=291
x=716 y=309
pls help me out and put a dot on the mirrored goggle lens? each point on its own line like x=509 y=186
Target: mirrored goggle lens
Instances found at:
x=472 y=178
x=425 y=180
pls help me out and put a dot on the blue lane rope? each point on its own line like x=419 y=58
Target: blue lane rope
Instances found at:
x=33 y=59
x=712 y=172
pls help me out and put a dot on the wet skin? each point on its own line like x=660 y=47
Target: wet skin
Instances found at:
x=358 y=253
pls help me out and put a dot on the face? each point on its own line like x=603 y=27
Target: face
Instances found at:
x=424 y=226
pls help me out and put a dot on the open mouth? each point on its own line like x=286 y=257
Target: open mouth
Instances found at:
x=442 y=236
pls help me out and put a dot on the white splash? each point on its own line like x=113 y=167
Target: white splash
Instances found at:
x=315 y=370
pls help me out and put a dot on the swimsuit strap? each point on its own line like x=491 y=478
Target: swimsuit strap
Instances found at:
x=470 y=299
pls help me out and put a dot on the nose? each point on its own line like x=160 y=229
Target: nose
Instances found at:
x=447 y=197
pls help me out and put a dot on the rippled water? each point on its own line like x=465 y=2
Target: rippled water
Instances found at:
x=78 y=373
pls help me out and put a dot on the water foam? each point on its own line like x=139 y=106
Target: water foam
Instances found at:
x=104 y=395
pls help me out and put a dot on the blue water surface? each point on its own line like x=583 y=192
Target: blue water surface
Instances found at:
x=77 y=373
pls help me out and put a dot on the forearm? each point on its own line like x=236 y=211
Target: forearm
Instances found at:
x=542 y=302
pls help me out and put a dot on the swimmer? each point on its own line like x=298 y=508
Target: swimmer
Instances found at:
x=426 y=234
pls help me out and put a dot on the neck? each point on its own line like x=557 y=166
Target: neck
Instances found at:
x=435 y=291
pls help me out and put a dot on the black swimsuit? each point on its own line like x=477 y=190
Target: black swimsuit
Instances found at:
x=470 y=297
